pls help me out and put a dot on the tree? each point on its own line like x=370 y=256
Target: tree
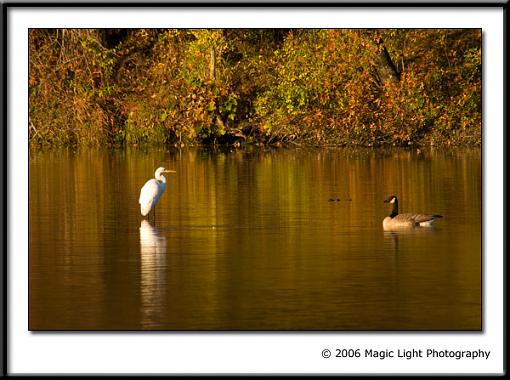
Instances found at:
x=386 y=69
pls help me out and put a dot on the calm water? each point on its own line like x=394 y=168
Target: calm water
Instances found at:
x=249 y=240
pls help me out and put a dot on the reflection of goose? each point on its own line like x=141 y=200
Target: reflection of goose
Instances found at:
x=153 y=275
x=391 y=237
x=397 y=221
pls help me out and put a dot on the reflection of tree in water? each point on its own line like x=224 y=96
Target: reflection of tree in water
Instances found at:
x=153 y=280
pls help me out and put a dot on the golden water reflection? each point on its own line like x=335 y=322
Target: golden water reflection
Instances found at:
x=153 y=274
x=248 y=240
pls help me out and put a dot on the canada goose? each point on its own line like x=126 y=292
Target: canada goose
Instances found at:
x=396 y=220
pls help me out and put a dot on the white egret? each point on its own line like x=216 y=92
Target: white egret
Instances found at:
x=152 y=190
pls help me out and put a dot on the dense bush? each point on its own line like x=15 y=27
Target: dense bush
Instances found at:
x=325 y=88
x=136 y=86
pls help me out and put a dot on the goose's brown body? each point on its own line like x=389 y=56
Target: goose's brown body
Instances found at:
x=408 y=220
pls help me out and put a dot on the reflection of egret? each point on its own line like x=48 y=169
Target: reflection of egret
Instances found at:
x=152 y=279
x=152 y=190
x=398 y=221
x=151 y=240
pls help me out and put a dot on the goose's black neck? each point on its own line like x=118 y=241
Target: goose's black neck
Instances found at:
x=394 y=212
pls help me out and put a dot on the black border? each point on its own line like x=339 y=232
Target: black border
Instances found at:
x=226 y=4
x=3 y=207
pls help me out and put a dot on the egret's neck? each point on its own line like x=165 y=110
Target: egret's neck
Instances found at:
x=161 y=178
x=394 y=212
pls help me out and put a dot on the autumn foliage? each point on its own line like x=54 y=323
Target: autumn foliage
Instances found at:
x=232 y=86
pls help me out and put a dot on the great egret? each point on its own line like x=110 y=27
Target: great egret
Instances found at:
x=152 y=190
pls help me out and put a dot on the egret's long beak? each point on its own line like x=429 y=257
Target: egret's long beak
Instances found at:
x=169 y=171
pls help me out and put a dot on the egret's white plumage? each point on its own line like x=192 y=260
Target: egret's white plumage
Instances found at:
x=152 y=191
